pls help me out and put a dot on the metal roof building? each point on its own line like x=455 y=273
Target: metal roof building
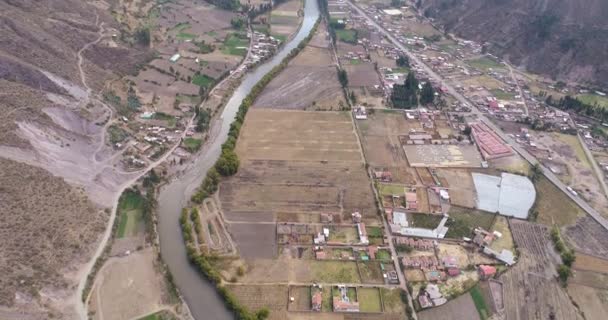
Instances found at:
x=509 y=195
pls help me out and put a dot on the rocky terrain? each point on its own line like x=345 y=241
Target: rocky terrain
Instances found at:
x=58 y=175
x=565 y=39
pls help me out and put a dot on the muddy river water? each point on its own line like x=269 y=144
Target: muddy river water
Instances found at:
x=202 y=299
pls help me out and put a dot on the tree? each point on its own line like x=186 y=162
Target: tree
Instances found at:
x=467 y=131
x=411 y=82
x=403 y=61
x=405 y=96
x=427 y=95
x=564 y=273
x=142 y=36
x=396 y=3
x=228 y=163
x=262 y=314
x=202 y=120
x=568 y=257
x=343 y=78
x=536 y=172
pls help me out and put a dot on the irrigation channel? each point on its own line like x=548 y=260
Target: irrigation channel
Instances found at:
x=200 y=295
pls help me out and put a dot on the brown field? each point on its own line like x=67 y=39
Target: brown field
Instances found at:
x=310 y=81
x=380 y=138
x=302 y=298
x=315 y=165
x=589 y=279
x=590 y=263
x=414 y=275
x=255 y=297
x=370 y=272
x=127 y=287
x=457 y=309
x=362 y=75
x=588 y=236
x=542 y=294
x=553 y=206
x=461 y=186
x=591 y=301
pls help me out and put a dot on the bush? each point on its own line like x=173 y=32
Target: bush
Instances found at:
x=228 y=163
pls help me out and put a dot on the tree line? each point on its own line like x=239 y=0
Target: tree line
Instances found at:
x=409 y=94
x=568 y=103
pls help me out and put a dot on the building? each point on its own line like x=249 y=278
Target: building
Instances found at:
x=418 y=244
x=317 y=298
x=383 y=175
x=327 y=218
x=360 y=113
x=342 y=302
x=486 y=272
x=362 y=233
x=356 y=217
x=411 y=200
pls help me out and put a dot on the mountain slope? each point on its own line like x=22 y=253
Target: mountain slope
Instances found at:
x=566 y=39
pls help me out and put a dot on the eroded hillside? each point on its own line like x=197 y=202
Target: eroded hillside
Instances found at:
x=566 y=39
x=58 y=175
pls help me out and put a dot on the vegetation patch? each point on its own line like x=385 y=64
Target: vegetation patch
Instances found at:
x=236 y=45
x=202 y=80
x=480 y=303
x=335 y=271
x=192 y=144
x=130 y=210
x=502 y=95
x=369 y=300
x=347 y=35
x=593 y=100
x=552 y=207
x=426 y=221
x=485 y=64
x=463 y=221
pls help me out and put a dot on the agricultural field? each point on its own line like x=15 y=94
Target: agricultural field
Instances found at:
x=485 y=64
x=313 y=172
x=310 y=81
x=588 y=236
x=593 y=302
x=285 y=19
x=506 y=241
x=255 y=297
x=462 y=307
x=380 y=138
x=536 y=266
x=128 y=287
x=593 y=99
x=301 y=298
x=369 y=299
x=553 y=207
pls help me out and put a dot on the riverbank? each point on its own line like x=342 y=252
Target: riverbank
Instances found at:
x=201 y=296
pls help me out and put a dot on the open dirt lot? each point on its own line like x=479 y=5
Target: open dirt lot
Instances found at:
x=461 y=186
x=457 y=309
x=541 y=294
x=453 y=156
x=127 y=287
x=592 y=302
x=310 y=81
x=362 y=75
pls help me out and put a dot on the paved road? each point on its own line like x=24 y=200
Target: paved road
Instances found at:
x=525 y=154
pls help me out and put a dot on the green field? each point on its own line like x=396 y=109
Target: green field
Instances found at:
x=347 y=35
x=480 y=303
x=130 y=213
x=161 y=315
x=502 y=95
x=462 y=221
x=234 y=45
x=202 y=80
x=192 y=144
x=334 y=271
x=383 y=254
x=280 y=37
x=593 y=99
x=426 y=221
x=485 y=63
x=391 y=189
x=117 y=134
x=369 y=300
x=185 y=36
x=171 y=121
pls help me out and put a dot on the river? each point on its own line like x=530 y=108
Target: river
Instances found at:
x=200 y=295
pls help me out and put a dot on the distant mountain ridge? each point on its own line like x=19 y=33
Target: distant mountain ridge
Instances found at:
x=564 y=39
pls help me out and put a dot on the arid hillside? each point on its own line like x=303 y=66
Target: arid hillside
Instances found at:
x=565 y=39
x=58 y=174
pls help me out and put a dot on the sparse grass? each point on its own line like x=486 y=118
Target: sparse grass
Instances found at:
x=355 y=61
x=502 y=95
x=335 y=271
x=117 y=134
x=202 y=80
x=171 y=121
x=383 y=254
x=185 y=36
x=391 y=189
x=280 y=37
x=480 y=303
x=553 y=206
x=192 y=144
x=593 y=99
x=426 y=221
x=485 y=64
x=374 y=232
x=369 y=300
x=462 y=221
x=392 y=300
x=573 y=142
x=347 y=35
x=263 y=28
